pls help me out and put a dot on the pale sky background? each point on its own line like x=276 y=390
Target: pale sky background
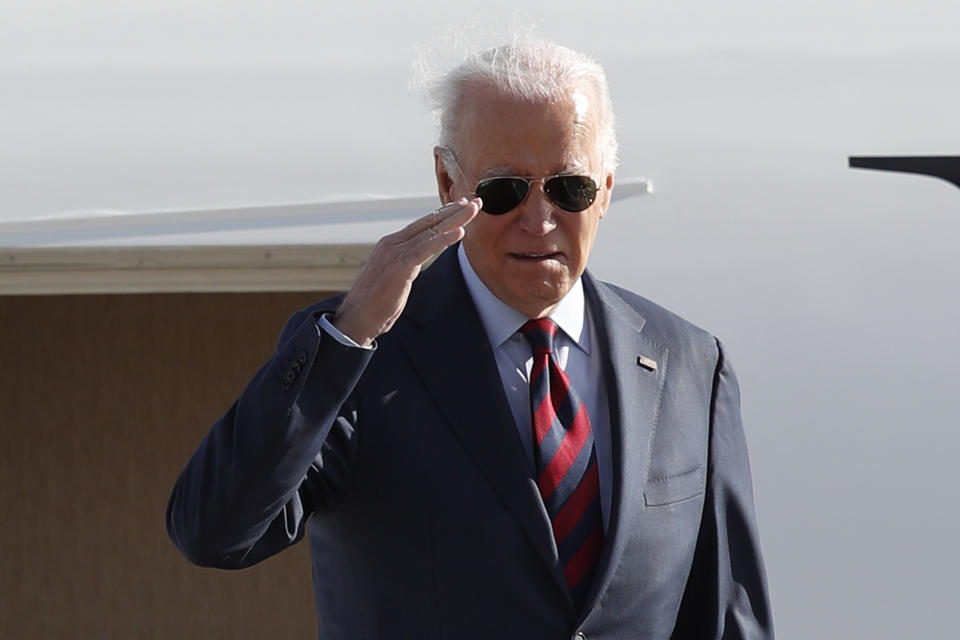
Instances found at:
x=835 y=291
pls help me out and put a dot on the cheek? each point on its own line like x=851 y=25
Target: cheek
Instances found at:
x=479 y=243
x=474 y=231
x=588 y=231
x=578 y=237
x=484 y=232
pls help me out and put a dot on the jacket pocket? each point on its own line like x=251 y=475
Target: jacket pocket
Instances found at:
x=674 y=488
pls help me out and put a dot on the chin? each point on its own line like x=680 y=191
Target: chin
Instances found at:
x=543 y=296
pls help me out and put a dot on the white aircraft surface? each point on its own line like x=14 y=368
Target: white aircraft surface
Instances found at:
x=336 y=221
x=836 y=291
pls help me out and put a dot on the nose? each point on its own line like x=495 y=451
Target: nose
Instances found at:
x=537 y=215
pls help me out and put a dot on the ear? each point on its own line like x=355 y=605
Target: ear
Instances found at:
x=444 y=181
x=606 y=193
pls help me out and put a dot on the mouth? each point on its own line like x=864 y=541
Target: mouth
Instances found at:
x=536 y=257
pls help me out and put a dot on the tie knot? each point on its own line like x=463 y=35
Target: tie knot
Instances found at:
x=539 y=333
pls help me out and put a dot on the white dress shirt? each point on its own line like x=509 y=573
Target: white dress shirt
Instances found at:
x=576 y=353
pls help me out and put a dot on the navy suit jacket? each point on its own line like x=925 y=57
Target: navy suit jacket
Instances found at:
x=404 y=468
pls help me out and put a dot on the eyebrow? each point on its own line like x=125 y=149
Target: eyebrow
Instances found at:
x=502 y=171
x=498 y=171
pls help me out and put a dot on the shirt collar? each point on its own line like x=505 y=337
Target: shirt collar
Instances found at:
x=501 y=321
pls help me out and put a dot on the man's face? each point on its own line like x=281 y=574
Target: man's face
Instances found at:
x=528 y=257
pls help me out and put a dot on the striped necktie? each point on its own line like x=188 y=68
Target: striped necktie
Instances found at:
x=566 y=461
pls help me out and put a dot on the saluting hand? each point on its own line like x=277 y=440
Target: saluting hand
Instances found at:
x=380 y=292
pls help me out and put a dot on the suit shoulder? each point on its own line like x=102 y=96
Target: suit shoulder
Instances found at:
x=662 y=325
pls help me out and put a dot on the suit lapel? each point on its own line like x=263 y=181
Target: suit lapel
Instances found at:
x=634 y=397
x=450 y=350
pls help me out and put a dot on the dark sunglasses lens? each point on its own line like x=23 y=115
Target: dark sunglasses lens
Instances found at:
x=571 y=193
x=501 y=195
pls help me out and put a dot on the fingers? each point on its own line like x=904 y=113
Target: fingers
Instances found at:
x=435 y=231
x=457 y=218
x=456 y=213
x=449 y=229
x=380 y=290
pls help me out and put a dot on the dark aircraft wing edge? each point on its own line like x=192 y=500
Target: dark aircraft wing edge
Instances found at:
x=944 y=167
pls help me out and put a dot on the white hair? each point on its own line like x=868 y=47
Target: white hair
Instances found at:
x=526 y=69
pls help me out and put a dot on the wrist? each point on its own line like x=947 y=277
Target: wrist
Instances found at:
x=346 y=325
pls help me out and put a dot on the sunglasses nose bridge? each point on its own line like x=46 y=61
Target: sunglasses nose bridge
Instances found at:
x=537 y=212
x=541 y=189
x=530 y=188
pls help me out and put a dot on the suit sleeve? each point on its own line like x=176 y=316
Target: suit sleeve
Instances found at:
x=726 y=595
x=283 y=450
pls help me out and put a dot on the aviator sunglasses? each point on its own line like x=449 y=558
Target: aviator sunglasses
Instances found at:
x=501 y=194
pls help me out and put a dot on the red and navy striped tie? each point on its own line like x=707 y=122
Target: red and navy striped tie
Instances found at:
x=566 y=461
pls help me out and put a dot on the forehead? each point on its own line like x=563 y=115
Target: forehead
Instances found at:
x=500 y=133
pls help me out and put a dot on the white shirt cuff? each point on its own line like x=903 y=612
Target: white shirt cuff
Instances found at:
x=324 y=324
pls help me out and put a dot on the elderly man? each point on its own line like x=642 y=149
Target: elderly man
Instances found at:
x=501 y=446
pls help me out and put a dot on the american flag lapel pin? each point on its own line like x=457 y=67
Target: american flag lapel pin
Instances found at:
x=647 y=363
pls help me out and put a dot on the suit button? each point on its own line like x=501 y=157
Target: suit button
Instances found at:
x=302 y=356
x=289 y=376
